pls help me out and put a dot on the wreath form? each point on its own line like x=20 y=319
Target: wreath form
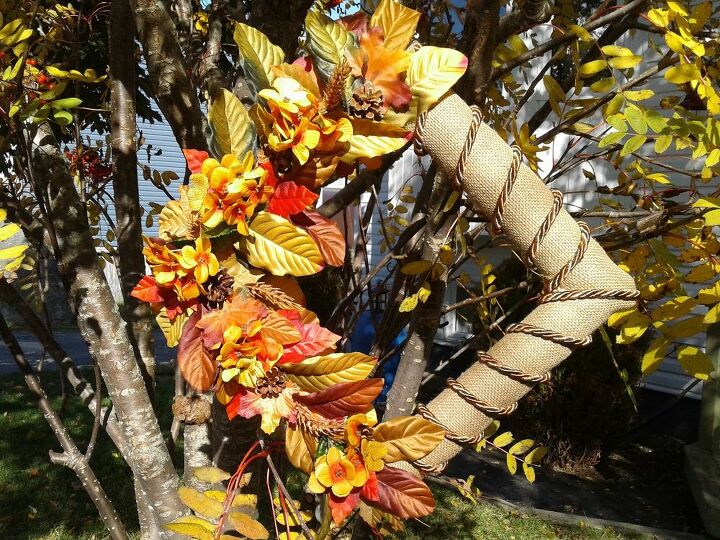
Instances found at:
x=550 y=294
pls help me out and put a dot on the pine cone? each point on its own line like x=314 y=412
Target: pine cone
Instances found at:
x=272 y=384
x=219 y=288
x=367 y=102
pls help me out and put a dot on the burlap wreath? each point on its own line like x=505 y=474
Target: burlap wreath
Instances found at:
x=583 y=286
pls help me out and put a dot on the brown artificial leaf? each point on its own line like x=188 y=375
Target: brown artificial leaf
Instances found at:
x=329 y=239
x=300 y=449
x=402 y=494
x=247 y=526
x=408 y=438
x=344 y=399
x=195 y=361
x=316 y=171
x=177 y=221
x=306 y=78
x=200 y=503
x=239 y=312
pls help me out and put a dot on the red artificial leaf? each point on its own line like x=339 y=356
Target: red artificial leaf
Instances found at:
x=242 y=404
x=314 y=340
x=402 y=494
x=357 y=23
x=369 y=491
x=330 y=241
x=343 y=399
x=290 y=198
x=147 y=290
x=342 y=508
x=272 y=178
x=194 y=359
x=239 y=312
x=280 y=329
x=194 y=159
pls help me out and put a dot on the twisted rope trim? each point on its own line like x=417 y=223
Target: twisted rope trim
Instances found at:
x=555 y=337
x=550 y=290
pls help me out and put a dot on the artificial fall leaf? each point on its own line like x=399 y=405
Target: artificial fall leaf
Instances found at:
x=200 y=503
x=194 y=359
x=357 y=23
x=147 y=290
x=321 y=372
x=239 y=312
x=290 y=198
x=402 y=494
x=329 y=239
x=302 y=73
x=397 y=22
x=171 y=329
x=316 y=171
x=300 y=448
x=279 y=328
x=341 y=508
x=372 y=139
x=257 y=54
x=314 y=339
x=384 y=67
x=344 y=399
x=432 y=72
x=177 y=221
x=194 y=159
x=233 y=130
x=408 y=438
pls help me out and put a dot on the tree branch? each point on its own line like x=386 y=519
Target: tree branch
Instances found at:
x=531 y=13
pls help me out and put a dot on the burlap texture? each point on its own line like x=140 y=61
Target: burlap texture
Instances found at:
x=530 y=201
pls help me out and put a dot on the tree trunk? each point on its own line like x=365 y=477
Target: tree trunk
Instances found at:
x=104 y=330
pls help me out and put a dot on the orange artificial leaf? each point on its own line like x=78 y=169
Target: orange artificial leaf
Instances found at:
x=329 y=239
x=290 y=198
x=341 y=508
x=315 y=339
x=239 y=312
x=279 y=328
x=147 y=290
x=316 y=171
x=402 y=494
x=195 y=159
x=408 y=438
x=344 y=399
x=194 y=359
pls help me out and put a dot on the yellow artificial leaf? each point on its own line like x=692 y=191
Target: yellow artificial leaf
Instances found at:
x=373 y=139
x=536 y=454
x=321 y=372
x=176 y=220
x=655 y=354
x=193 y=527
x=503 y=439
x=281 y=248
x=408 y=438
x=200 y=503
x=432 y=72
x=171 y=329
x=511 y=462
x=521 y=447
x=592 y=67
x=682 y=73
x=398 y=24
x=258 y=55
x=326 y=39
x=210 y=474
x=233 y=130
x=673 y=308
x=633 y=328
x=695 y=362
x=248 y=526
x=529 y=472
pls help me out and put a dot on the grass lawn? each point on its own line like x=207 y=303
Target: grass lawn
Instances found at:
x=39 y=500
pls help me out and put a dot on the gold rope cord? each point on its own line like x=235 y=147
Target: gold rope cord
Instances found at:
x=583 y=287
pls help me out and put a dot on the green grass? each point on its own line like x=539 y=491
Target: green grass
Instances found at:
x=40 y=500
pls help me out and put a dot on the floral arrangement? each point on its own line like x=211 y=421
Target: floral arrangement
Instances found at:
x=229 y=248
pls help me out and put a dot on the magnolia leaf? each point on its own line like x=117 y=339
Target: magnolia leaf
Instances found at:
x=321 y=372
x=329 y=239
x=193 y=527
x=654 y=356
x=210 y=475
x=200 y=503
x=258 y=55
x=408 y=438
x=247 y=526
x=402 y=494
x=300 y=449
x=171 y=329
x=290 y=198
x=398 y=24
x=695 y=362
x=233 y=130
x=326 y=39
x=432 y=72
x=194 y=359
x=280 y=247
x=344 y=399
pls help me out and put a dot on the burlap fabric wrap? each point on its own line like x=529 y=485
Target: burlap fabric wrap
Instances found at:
x=529 y=202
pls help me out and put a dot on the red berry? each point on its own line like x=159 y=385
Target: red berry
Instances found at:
x=31 y=62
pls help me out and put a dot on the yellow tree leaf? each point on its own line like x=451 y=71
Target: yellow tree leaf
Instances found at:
x=193 y=527
x=619 y=317
x=503 y=439
x=247 y=526
x=408 y=304
x=210 y=475
x=615 y=50
x=521 y=447
x=432 y=72
x=625 y=62
x=233 y=130
x=258 y=55
x=673 y=308
x=529 y=472
x=633 y=328
x=592 y=67
x=8 y=230
x=701 y=273
x=709 y=295
x=398 y=24
x=685 y=328
x=321 y=372
x=713 y=315
x=695 y=362
x=656 y=353
x=536 y=454
x=12 y=252
x=682 y=73
x=511 y=462
x=414 y=268
x=281 y=248
x=408 y=438
x=200 y=503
